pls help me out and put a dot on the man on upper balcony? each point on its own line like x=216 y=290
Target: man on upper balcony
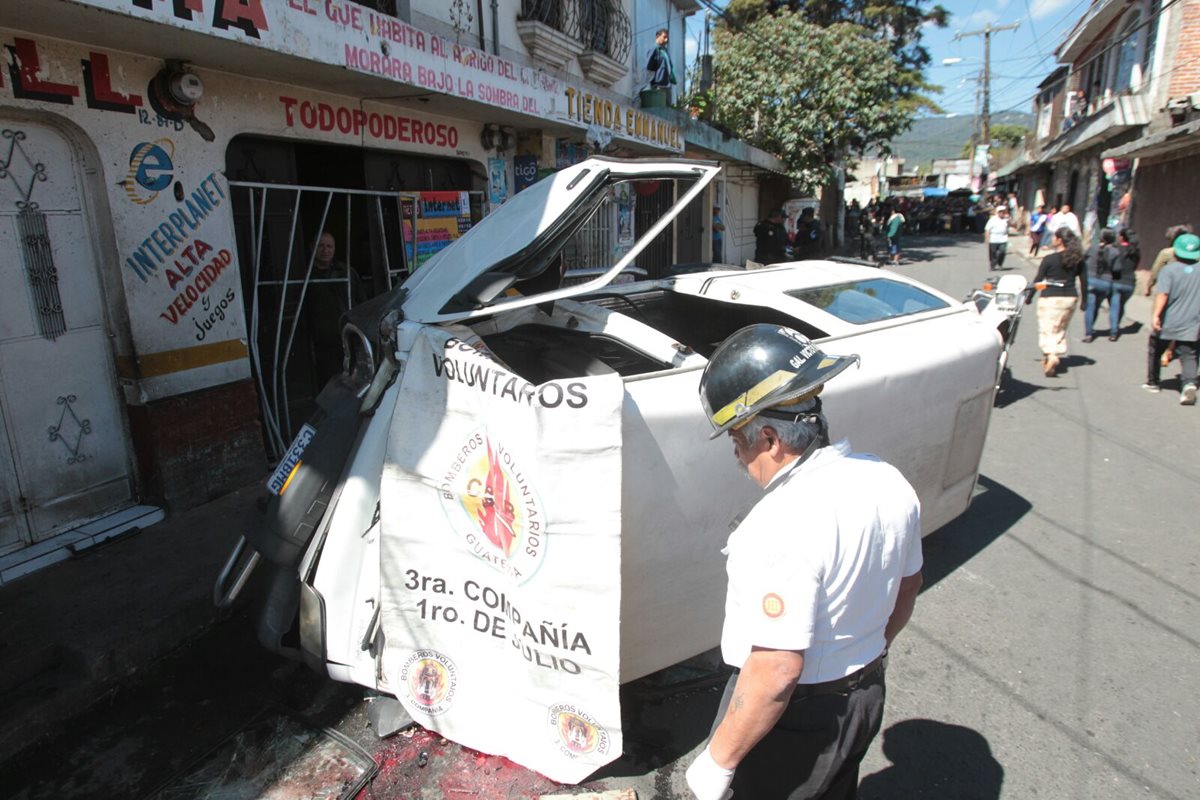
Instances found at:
x=662 y=71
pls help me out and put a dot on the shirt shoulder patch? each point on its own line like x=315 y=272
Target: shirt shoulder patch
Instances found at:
x=772 y=605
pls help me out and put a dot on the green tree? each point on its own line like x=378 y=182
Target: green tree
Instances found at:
x=898 y=24
x=808 y=93
x=1006 y=143
x=1007 y=135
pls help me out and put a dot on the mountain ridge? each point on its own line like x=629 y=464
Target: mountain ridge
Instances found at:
x=942 y=137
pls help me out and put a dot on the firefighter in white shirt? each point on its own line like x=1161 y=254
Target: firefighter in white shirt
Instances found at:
x=823 y=573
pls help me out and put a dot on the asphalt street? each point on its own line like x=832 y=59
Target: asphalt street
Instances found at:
x=1048 y=655
x=1050 y=650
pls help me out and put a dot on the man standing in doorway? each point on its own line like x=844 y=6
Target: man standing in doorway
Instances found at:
x=823 y=574
x=332 y=290
x=662 y=71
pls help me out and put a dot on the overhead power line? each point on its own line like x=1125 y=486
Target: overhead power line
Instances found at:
x=1117 y=41
x=986 y=32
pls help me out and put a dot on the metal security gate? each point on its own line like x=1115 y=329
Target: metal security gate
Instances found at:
x=654 y=198
x=294 y=304
x=593 y=246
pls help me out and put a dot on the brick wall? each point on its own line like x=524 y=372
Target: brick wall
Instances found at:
x=195 y=447
x=1185 y=58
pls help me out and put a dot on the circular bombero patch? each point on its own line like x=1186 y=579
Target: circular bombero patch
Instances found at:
x=772 y=605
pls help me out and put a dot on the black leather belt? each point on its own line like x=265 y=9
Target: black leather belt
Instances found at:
x=846 y=684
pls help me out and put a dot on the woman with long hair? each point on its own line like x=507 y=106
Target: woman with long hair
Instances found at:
x=1057 y=277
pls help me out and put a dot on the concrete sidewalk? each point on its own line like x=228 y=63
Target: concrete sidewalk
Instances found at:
x=71 y=633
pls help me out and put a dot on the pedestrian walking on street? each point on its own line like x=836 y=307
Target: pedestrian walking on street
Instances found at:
x=1166 y=255
x=1065 y=218
x=1124 y=274
x=823 y=574
x=1037 y=225
x=995 y=235
x=1176 y=316
x=1056 y=277
x=1048 y=228
x=895 y=225
x=1100 y=261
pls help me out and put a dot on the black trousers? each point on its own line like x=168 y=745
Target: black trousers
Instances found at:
x=816 y=746
x=996 y=253
x=1186 y=351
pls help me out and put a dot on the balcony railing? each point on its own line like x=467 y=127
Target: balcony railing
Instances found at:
x=604 y=27
x=598 y=32
x=382 y=6
x=561 y=15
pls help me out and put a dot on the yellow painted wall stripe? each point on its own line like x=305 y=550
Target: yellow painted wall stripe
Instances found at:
x=152 y=365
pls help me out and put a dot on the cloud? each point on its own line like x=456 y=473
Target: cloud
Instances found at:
x=1043 y=8
x=981 y=17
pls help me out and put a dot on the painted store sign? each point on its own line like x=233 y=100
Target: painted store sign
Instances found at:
x=346 y=34
x=167 y=193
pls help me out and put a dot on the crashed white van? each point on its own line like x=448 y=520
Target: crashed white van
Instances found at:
x=509 y=503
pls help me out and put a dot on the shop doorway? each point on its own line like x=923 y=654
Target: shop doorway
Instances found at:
x=64 y=453
x=320 y=229
x=653 y=199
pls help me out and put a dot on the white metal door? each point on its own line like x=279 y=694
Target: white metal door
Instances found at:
x=63 y=448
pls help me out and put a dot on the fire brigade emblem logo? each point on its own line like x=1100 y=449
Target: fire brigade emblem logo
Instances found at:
x=772 y=605
x=429 y=680
x=492 y=506
x=576 y=732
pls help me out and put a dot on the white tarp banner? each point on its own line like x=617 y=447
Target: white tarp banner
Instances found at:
x=500 y=564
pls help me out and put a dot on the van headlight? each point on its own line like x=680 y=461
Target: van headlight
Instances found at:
x=312 y=627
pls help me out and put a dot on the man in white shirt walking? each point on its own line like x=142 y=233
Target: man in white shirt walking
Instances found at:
x=995 y=236
x=1065 y=218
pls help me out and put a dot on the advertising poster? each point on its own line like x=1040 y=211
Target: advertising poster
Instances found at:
x=439 y=218
x=500 y=561
x=525 y=172
x=497 y=181
x=567 y=153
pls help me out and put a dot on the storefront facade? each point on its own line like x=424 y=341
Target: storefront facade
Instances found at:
x=168 y=171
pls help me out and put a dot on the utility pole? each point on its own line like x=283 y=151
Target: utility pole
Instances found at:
x=985 y=119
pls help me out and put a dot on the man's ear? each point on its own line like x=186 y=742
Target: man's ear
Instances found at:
x=772 y=436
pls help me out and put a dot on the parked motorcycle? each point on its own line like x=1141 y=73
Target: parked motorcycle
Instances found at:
x=1000 y=302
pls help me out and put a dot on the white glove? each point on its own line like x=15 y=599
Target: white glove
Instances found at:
x=708 y=780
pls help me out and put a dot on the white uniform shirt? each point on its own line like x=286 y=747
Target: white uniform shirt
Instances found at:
x=997 y=230
x=816 y=564
x=1068 y=220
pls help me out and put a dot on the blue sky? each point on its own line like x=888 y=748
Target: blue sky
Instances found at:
x=1020 y=58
